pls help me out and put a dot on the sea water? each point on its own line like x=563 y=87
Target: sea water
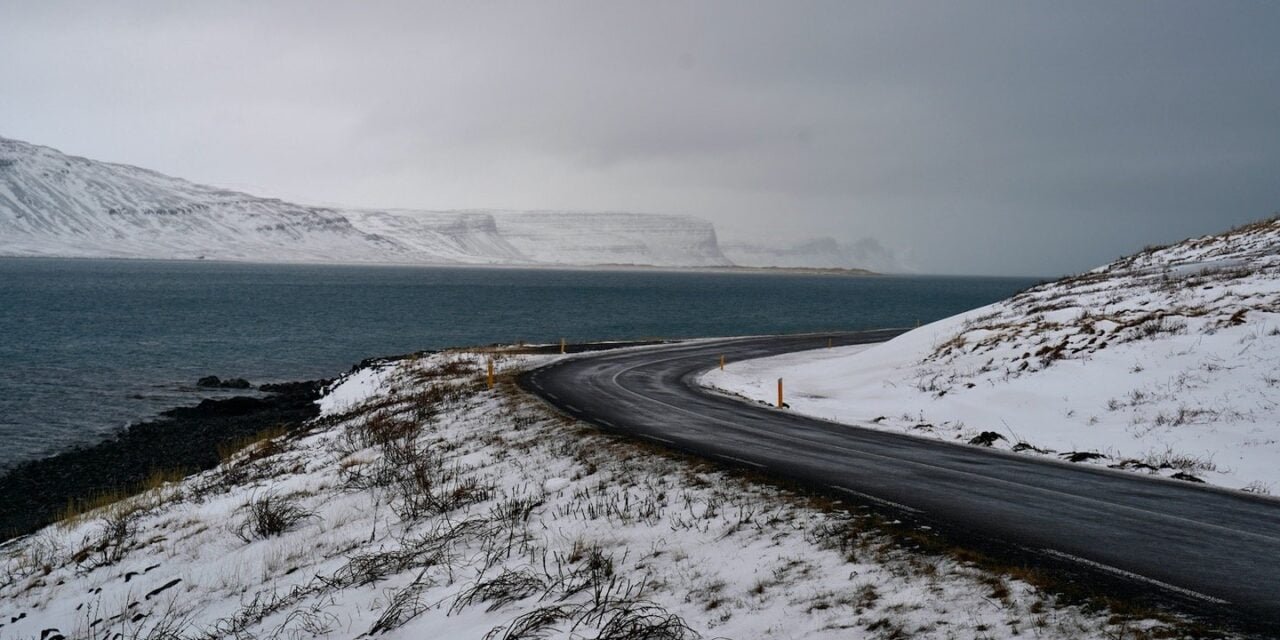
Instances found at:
x=88 y=346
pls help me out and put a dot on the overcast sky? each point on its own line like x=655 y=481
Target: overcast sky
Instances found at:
x=969 y=137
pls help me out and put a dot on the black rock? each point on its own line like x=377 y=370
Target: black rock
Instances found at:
x=1130 y=463
x=32 y=493
x=237 y=406
x=218 y=383
x=1081 y=456
x=985 y=439
x=293 y=387
x=1027 y=446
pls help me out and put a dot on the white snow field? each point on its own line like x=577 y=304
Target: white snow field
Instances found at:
x=423 y=505
x=1165 y=362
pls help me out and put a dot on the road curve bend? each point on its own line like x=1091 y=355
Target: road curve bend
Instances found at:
x=1194 y=542
x=1220 y=547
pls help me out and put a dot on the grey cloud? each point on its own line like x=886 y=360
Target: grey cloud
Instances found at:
x=994 y=137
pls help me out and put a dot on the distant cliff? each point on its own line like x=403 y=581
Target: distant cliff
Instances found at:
x=822 y=253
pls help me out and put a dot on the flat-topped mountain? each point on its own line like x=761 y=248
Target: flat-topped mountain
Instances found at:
x=817 y=253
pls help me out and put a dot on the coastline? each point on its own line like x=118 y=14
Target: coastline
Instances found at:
x=725 y=269
x=183 y=439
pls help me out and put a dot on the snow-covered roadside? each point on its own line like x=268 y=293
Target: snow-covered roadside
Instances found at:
x=1163 y=363
x=422 y=505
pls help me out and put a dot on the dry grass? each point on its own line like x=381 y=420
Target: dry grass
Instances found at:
x=77 y=509
x=159 y=478
x=150 y=492
x=260 y=445
x=268 y=515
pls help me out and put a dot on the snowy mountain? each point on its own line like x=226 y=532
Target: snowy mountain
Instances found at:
x=1163 y=362
x=827 y=253
x=53 y=204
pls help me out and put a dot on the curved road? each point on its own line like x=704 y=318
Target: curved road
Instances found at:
x=1197 y=543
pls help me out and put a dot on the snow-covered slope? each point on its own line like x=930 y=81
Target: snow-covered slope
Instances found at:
x=446 y=236
x=423 y=505
x=59 y=205
x=52 y=204
x=1163 y=362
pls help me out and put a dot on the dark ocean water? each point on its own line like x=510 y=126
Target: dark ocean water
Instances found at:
x=86 y=346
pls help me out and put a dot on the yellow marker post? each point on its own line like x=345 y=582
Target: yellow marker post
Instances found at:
x=828 y=343
x=779 y=393
x=491 y=381
x=722 y=363
x=562 y=346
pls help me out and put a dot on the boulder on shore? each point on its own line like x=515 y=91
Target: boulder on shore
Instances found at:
x=219 y=383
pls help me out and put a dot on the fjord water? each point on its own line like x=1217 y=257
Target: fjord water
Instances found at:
x=86 y=346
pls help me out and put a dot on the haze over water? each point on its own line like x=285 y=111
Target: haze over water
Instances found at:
x=86 y=346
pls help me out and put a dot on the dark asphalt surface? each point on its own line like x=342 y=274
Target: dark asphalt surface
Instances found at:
x=1194 y=543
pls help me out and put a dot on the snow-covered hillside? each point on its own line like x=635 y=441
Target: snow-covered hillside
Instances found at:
x=423 y=505
x=52 y=204
x=1164 y=362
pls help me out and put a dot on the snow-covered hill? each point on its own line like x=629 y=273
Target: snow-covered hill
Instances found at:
x=1163 y=362
x=423 y=505
x=53 y=204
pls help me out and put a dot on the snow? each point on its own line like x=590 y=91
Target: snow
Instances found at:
x=1162 y=362
x=355 y=388
x=556 y=237
x=430 y=506
x=52 y=204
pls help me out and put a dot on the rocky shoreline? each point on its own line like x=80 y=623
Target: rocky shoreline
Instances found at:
x=34 y=493
x=184 y=438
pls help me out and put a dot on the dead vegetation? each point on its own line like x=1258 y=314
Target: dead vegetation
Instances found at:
x=116 y=532
x=1160 y=292
x=268 y=514
x=260 y=445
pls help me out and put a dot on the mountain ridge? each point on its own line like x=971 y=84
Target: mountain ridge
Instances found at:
x=58 y=205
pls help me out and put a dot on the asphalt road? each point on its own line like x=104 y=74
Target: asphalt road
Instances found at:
x=1191 y=542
